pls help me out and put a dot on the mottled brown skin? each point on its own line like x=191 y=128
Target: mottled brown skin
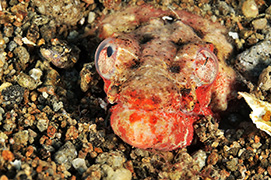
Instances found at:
x=162 y=74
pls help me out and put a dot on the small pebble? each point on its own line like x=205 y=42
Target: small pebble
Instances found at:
x=68 y=13
x=60 y=54
x=66 y=154
x=12 y=94
x=250 y=9
x=256 y=145
x=2 y=58
x=80 y=165
x=27 y=81
x=35 y=73
x=8 y=30
x=232 y=164
x=234 y=35
x=259 y=23
x=91 y=17
x=224 y=8
x=113 y=159
x=251 y=62
x=12 y=45
x=23 y=55
x=7 y=155
x=2 y=111
x=264 y=81
x=40 y=20
x=73 y=35
x=119 y=174
x=42 y=125
x=212 y=158
x=3 y=137
x=57 y=106
x=200 y=158
x=17 y=164
x=269 y=170
x=21 y=137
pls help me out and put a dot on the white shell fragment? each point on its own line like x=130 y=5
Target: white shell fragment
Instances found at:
x=27 y=41
x=261 y=112
x=233 y=35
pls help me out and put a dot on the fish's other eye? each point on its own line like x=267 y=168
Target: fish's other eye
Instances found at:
x=206 y=68
x=115 y=55
x=105 y=58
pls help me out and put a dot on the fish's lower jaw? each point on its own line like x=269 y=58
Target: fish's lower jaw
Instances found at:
x=156 y=129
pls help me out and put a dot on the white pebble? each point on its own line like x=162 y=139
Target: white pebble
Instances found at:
x=91 y=17
x=79 y=164
x=234 y=35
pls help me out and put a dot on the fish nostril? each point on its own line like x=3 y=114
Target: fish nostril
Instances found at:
x=146 y=38
x=175 y=69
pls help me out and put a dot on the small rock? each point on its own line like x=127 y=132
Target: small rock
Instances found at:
x=27 y=81
x=232 y=164
x=256 y=145
x=2 y=42
x=80 y=165
x=233 y=35
x=91 y=17
x=73 y=35
x=51 y=78
x=40 y=20
x=12 y=45
x=200 y=158
x=240 y=152
x=7 y=155
x=23 y=55
x=42 y=125
x=224 y=8
x=2 y=111
x=250 y=9
x=264 y=82
x=66 y=154
x=88 y=77
x=3 y=137
x=94 y=172
x=57 y=106
x=12 y=95
x=212 y=158
x=119 y=174
x=110 y=167
x=32 y=135
x=259 y=23
x=114 y=159
x=33 y=34
x=2 y=58
x=36 y=74
x=269 y=170
x=8 y=30
x=21 y=137
x=68 y=13
x=251 y=62
x=16 y=164
x=60 y=54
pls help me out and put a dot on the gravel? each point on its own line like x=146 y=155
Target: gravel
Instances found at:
x=53 y=112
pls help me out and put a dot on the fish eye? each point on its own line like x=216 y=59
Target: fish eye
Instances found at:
x=105 y=58
x=206 y=68
x=109 y=51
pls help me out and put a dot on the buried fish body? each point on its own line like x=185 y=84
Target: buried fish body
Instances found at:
x=163 y=69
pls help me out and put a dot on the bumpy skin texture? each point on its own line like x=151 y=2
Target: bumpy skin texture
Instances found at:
x=163 y=69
